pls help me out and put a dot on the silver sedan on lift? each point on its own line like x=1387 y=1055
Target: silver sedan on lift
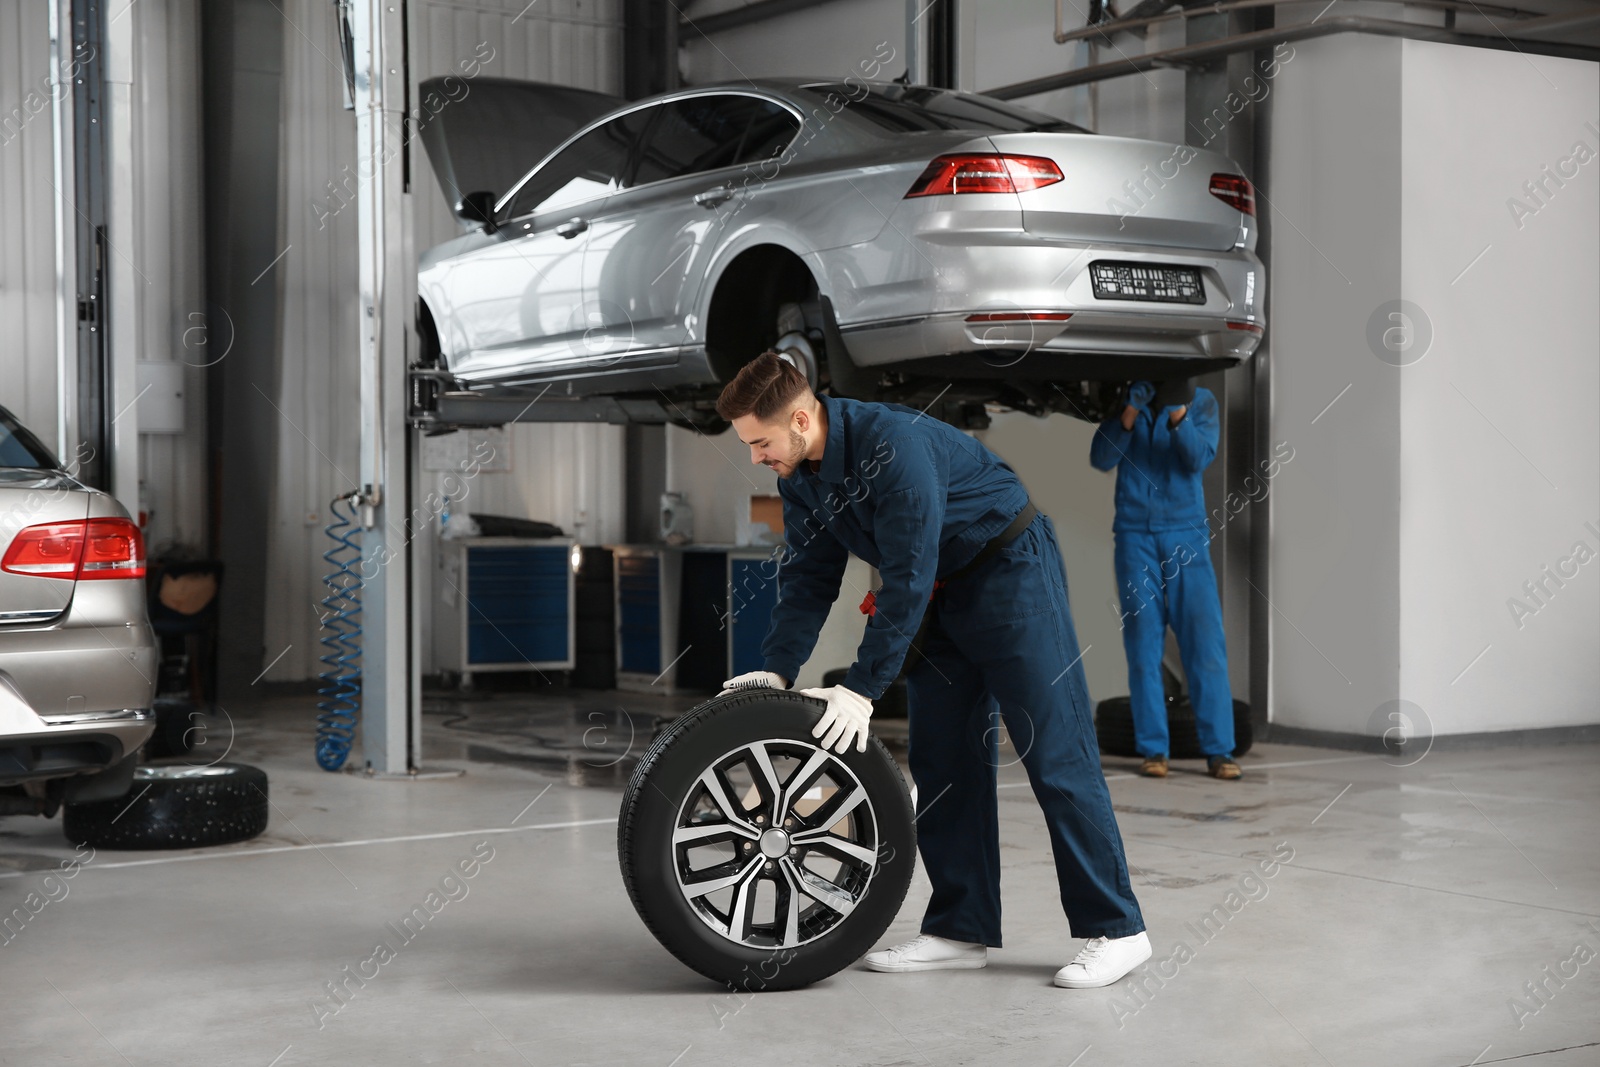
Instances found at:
x=909 y=242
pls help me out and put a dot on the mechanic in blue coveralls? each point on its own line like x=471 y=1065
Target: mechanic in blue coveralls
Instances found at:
x=968 y=562
x=1160 y=444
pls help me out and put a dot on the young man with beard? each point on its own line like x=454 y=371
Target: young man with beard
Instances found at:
x=974 y=573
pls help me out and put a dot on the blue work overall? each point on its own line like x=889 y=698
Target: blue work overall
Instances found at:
x=918 y=499
x=1163 y=565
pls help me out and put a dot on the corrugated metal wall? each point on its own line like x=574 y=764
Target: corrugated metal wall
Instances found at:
x=167 y=244
x=567 y=474
x=317 y=330
x=27 y=218
x=163 y=243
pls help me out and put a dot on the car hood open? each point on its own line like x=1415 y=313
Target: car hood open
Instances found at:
x=485 y=134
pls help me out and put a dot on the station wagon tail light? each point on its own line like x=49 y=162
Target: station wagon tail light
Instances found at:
x=80 y=551
x=1235 y=191
x=985 y=173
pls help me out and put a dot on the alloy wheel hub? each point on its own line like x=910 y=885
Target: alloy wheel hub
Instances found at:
x=775 y=844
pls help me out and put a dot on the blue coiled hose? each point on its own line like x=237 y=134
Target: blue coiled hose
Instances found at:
x=340 y=706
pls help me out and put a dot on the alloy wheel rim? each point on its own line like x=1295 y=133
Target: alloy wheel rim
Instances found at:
x=775 y=844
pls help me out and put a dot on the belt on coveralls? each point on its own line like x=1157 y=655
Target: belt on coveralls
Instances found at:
x=869 y=606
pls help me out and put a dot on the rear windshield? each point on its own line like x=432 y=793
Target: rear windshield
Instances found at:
x=19 y=448
x=916 y=108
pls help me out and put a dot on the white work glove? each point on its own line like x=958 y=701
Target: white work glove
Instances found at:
x=754 y=680
x=844 y=721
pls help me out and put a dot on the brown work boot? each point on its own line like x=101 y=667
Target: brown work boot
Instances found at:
x=1154 y=767
x=1222 y=767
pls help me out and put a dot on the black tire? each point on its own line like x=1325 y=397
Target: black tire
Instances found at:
x=666 y=796
x=175 y=805
x=1113 y=724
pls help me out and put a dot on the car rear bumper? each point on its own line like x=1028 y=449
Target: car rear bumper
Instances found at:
x=75 y=697
x=1006 y=344
x=58 y=746
x=1032 y=276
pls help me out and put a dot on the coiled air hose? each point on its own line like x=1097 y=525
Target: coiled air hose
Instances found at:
x=340 y=706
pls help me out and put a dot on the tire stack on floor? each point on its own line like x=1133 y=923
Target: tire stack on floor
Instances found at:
x=1113 y=724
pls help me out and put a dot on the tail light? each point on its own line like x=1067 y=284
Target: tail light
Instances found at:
x=1248 y=327
x=988 y=173
x=1235 y=191
x=79 y=551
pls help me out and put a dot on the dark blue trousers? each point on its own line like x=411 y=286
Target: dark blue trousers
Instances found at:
x=1166 y=579
x=1001 y=652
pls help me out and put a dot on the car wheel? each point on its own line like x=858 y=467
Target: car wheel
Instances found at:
x=1113 y=725
x=754 y=856
x=175 y=805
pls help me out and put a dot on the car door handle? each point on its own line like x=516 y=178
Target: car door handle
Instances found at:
x=572 y=227
x=712 y=197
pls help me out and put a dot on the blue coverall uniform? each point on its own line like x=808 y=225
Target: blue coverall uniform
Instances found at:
x=918 y=499
x=1163 y=564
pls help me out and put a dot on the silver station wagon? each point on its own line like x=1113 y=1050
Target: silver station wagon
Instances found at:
x=77 y=654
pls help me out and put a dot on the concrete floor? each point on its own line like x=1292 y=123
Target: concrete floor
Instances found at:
x=1418 y=904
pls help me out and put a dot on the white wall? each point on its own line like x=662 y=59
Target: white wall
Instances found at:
x=1500 y=443
x=27 y=218
x=1421 y=500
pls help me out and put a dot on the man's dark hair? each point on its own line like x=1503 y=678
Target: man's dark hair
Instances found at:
x=767 y=386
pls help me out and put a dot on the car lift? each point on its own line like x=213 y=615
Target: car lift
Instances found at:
x=436 y=406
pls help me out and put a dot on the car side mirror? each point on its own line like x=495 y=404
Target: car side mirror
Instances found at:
x=477 y=208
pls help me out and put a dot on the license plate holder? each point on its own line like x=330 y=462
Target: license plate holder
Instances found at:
x=1151 y=282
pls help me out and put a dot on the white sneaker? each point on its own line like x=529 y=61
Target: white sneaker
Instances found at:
x=1104 y=960
x=925 y=952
